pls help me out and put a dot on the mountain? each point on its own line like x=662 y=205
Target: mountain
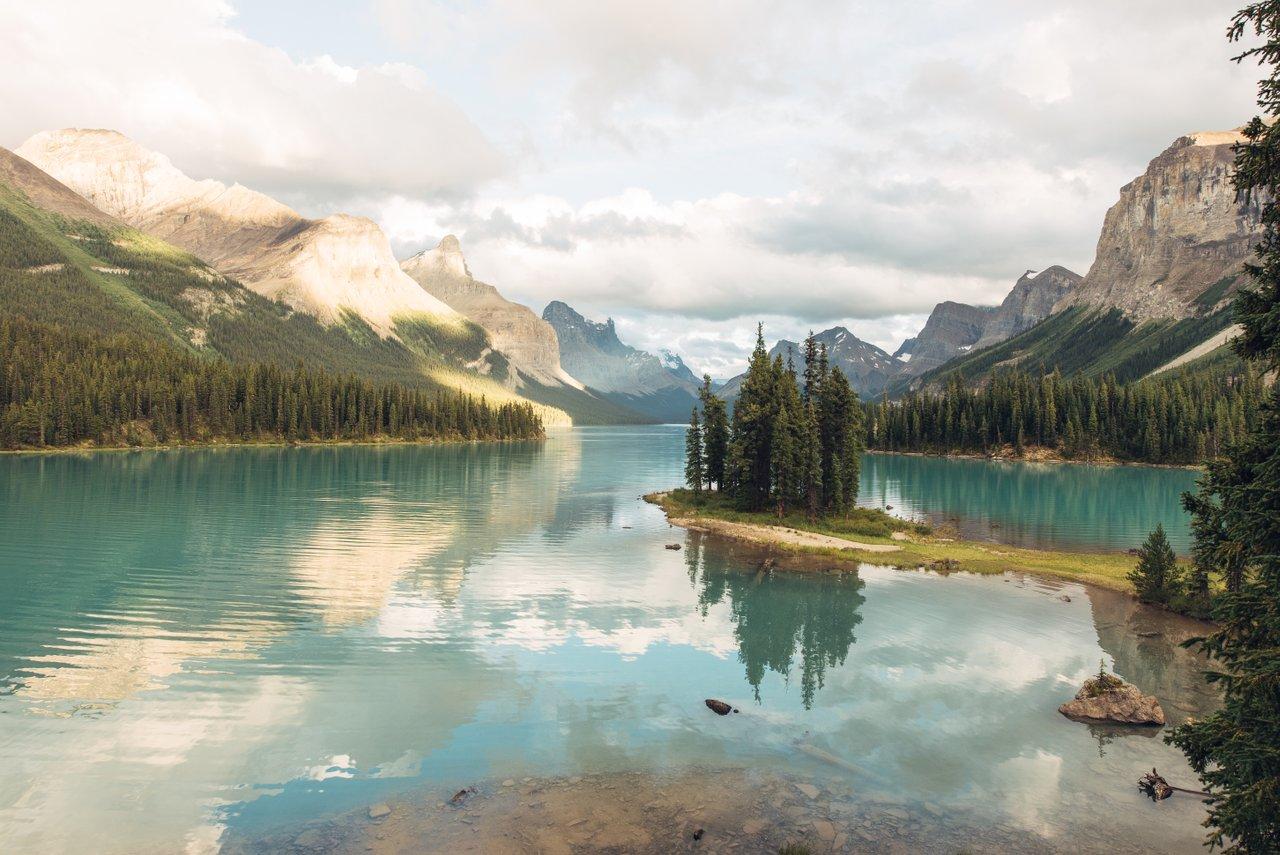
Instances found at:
x=674 y=364
x=656 y=387
x=1029 y=302
x=64 y=261
x=327 y=268
x=1170 y=256
x=338 y=270
x=527 y=341
x=1176 y=231
x=952 y=328
x=868 y=368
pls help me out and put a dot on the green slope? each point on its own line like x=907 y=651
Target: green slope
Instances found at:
x=105 y=277
x=1089 y=342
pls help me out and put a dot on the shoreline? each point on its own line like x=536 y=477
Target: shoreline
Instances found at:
x=908 y=546
x=270 y=443
x=1047 y=458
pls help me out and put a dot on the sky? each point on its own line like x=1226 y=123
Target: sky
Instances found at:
x=687 y=168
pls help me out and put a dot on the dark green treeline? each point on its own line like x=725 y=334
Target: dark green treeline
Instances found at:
x=1179 y=418
x=792 y=442
x=60 y=387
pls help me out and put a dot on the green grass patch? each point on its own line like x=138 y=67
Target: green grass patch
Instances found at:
x=863 y=523
x=924 y=548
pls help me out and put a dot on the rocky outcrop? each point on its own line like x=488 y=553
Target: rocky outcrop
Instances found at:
x=593 y=353
x=1031 y=301
x=867 y=367
x=1108 y=698
x=952 y=328
x=674 y=364
x=526 y=339
x=1176 y=232
x=327 y=268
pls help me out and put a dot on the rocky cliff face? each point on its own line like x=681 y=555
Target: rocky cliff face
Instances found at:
x=1031 y=301
x=326 y=267
x=527 y=340
x=1177 y=231
x=952 y=328
x=593 y=353
x=868 y=368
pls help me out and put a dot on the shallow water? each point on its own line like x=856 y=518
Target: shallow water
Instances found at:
x=208 y=646
x=1070 y=506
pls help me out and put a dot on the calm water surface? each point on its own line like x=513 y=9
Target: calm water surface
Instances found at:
x=203 y=644
x=1048 y=505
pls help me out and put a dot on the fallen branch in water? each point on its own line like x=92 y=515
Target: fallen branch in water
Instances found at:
x=1155 y=786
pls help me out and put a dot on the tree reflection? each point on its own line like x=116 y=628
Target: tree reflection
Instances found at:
x=778 y=617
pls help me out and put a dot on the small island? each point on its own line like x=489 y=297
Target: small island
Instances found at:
x=783 y=471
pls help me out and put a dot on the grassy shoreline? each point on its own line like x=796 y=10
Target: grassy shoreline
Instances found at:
x=1037 y=455
x=910 y=544
x=265 y=443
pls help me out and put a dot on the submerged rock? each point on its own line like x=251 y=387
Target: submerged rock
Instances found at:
x=379 y=810
x=1108 y=698
x=673 y=546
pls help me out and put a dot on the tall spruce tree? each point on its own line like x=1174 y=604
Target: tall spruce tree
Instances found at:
x=715 y=434
x=811 y=456
x=694 y=466
x=1236 y=750
x=842 y=436
x=752 y=435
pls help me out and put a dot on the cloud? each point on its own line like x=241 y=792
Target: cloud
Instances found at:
x=179 y=78
x=677 y=166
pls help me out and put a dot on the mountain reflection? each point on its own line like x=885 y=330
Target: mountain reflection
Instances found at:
x=778 y=617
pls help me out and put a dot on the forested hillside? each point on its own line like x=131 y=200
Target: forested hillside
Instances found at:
x=60 y=387
x=63 y=263
x=1177 y=417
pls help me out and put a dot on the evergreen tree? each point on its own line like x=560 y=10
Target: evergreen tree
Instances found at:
x=783 y=452
x=752 y=435
x=811 y=456
x=1236 y=749
x=1156 y=578
x=841 y=433
x=715 y=434
x=694 y=469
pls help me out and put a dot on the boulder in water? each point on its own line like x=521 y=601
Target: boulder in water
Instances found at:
x=719 y=707
x=1108 y=698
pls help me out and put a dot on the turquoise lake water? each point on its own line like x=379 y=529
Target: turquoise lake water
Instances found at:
x=201 y=644
x=1054 y=505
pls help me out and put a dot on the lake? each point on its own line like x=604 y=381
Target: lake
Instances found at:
x=246 y=648
x=1072 y=506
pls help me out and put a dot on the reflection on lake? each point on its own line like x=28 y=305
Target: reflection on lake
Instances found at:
x=1041 y=505
x=211 y=645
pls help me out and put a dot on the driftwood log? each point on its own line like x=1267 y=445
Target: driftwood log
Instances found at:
x=1154 y=785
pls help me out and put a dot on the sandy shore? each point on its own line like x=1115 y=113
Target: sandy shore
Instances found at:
x=772 y=534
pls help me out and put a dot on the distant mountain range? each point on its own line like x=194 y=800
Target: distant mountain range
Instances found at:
x=112 y=236
x=661 y=387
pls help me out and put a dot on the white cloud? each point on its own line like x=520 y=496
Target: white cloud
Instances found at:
x=685 y=168
x=179 y=78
